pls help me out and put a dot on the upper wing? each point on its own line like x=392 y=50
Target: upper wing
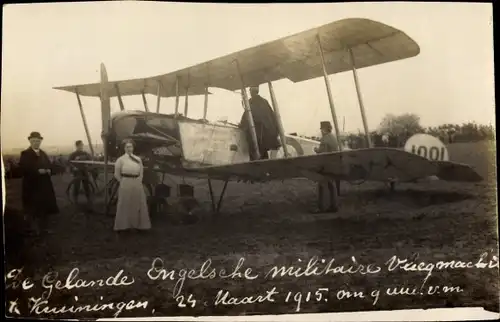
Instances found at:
x=295 y=57
x=375 y=164
x=134 y=87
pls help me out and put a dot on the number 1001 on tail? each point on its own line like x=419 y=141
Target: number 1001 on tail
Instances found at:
x=321 y=295
x=433 y=153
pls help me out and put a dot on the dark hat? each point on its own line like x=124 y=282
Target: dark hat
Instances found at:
x=254 y=88
x=325 y=125
x=35 y=135
x=78 y=142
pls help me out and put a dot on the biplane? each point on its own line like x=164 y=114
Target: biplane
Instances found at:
x=182 y=146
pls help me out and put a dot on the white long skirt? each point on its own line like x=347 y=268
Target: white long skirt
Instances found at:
x=132 y=209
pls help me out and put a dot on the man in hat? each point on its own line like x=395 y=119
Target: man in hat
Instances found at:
x=451 y=135
x=266 y=125
x=81 y=175
x=38 y=197
x=385 y=139
x=328 y=143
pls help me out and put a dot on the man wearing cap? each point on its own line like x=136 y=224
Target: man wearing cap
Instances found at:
x=38 y=197
x=81 y=175
x=328 y=143
x=266 y=125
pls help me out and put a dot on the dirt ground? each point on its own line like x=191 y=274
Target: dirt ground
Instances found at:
x=269 y=225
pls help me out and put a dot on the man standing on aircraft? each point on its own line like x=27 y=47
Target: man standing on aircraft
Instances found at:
x=266 y=125
x=328 y=143
x=81 y=175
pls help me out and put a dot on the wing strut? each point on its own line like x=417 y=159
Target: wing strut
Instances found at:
x=246 y=104
x=145 y=102
x=360 y=98
x=105 y=115
x=329 y=92
x=186 y=100
x=84 y=119
x=278 y=118
x=176 y=96
x=205 y=104
x=158 y=96
x=119 y=96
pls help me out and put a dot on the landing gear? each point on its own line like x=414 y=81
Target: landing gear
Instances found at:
x=216 y=207
x=392 y=186
x=112 y=188
x=80 y=181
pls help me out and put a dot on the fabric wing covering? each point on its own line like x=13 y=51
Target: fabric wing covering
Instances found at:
x=377 y=164
x=296 y=57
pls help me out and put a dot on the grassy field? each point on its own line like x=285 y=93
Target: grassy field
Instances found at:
x=269 y=225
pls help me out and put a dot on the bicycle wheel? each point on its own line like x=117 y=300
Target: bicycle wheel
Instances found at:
x=70 y=188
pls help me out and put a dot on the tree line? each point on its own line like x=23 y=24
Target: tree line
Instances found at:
x=395 y=130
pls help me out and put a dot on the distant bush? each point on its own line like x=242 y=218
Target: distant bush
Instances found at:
x=448 y=133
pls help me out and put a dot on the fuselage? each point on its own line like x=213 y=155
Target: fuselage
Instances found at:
x=200 y=142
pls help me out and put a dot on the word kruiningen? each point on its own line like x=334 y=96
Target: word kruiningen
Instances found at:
x=41 y=306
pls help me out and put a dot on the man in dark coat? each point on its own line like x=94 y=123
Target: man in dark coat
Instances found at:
x=81 y=175
x=266 y=125
x=328 y=143
x=38 y=197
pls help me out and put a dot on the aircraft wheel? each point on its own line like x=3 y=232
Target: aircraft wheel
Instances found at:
x=158 y=194
x=392 y=186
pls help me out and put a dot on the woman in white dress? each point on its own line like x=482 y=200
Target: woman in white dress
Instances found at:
x=132 y=209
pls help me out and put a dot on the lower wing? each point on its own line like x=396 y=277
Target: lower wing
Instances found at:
x=93 y=164
x=452 y=171
x=374 y=164
x=164 y=168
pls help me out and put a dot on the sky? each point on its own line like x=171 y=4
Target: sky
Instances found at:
x=57 y=44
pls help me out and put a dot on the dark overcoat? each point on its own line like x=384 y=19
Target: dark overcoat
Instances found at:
x=38 y=197
x=266 y=125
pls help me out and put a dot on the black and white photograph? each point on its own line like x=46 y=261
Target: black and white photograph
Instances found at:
x=285 y=160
